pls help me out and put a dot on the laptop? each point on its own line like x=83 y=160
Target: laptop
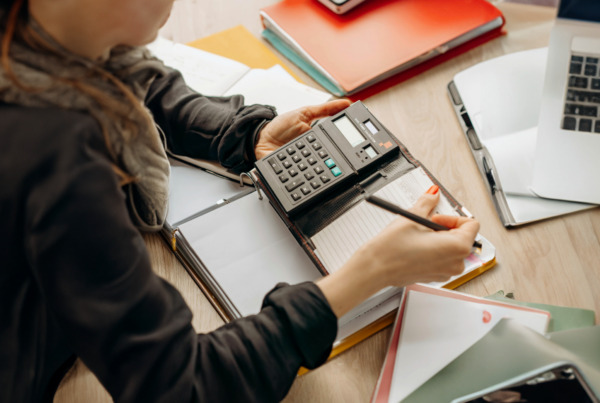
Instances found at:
x=567 y=157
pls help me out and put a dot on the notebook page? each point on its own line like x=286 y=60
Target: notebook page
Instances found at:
x=204 y=72
x=339 y=240
x=248 y=250
x=268 y=87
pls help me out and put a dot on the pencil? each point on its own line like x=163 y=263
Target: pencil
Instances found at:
x=392 y=208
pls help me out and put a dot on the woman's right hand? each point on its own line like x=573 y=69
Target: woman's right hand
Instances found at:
x=403 y=253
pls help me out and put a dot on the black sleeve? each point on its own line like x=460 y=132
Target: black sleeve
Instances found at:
x=133 y=329
x=213 y=128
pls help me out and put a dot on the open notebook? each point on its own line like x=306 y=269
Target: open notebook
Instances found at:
x=239 y=248
x=214 y=75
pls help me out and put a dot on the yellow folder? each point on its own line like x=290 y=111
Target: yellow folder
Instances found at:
x=240 y=45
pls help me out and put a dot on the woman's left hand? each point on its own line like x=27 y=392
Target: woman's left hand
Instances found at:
x=290 y=125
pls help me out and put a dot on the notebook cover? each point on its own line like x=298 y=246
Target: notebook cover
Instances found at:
x=378 y=36
x=239 y=44
x=384 y=383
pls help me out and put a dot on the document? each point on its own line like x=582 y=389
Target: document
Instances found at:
x=341 y=239
x=214 y=75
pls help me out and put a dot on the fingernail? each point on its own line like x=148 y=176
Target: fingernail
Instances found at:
x=433 y=190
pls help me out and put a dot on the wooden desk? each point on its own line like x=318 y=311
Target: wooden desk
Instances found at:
x=554 y=262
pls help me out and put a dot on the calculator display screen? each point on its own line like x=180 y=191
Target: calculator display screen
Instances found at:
x=349 y=131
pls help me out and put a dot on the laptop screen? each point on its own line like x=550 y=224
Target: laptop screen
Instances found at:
x=585 y=10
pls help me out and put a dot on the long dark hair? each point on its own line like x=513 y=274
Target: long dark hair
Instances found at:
x=15 y=27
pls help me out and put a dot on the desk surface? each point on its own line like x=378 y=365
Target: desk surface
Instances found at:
x=554 y=262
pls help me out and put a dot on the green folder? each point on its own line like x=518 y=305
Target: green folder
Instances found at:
x=562 y=318
x=299 y=61
x=511 y=353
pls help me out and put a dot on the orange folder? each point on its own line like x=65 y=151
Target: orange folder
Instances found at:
x=381 y=38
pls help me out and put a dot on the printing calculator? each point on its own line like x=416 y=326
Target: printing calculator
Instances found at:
x=348 y=145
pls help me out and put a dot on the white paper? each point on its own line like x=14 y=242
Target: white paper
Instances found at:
x=269 y=88
x=192 y=190
x=248 y=250
x=204 y=72
x=513 y=155
x=283 y=74
x=436 y=330
x=338 y=241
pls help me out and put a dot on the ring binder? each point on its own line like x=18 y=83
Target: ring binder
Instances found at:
x=260 y=197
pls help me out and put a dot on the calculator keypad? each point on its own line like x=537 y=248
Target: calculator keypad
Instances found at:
x=302 y=167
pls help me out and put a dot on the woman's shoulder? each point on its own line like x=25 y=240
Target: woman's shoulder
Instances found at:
x=35 y=134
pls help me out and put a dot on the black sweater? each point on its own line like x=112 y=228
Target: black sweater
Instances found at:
x=75 y=276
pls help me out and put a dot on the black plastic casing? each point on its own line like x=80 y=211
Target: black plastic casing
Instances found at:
x=353 y=161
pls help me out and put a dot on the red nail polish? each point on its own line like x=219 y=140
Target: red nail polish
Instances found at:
x=433 y=190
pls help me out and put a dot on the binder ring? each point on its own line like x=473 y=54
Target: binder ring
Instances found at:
x=260 y=197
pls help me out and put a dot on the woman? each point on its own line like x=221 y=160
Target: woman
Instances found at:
x=83 y=170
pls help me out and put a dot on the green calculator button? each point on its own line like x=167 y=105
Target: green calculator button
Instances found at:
x=336 y=171
x=330 y=163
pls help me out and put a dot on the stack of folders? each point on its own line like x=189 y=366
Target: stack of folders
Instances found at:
x=240 y=247
x=452 y=347
x=371 y=45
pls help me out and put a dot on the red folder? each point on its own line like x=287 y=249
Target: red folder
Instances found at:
x=362 y=47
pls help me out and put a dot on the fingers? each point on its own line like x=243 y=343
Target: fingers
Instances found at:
x=311 y=113
x=465 y=228
x=425 y=205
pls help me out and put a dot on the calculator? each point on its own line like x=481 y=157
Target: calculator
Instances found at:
x=348 y=145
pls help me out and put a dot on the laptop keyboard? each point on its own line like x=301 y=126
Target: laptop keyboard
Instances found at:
x=583 y=95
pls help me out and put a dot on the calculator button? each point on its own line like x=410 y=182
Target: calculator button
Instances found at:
x=309 y=175
x=336 y=171
x=293 y=172
x=296 y=158
x=319 y=170
x=330 y=163
x=315 y=184
x=283 y=178
x=286 y=164
x=317 y=146
x=310 y=138
x=305 y=190
x=294 y=185
x=300 y=145
x=290 y=150
x=306 y=153
x=322 y=154
x=281 y=156
x=312 y=161
x=296 y=196
x=324 y=178
x=275 y=165
x=302 y=166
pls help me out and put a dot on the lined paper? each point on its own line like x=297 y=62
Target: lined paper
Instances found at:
x=341 y=239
